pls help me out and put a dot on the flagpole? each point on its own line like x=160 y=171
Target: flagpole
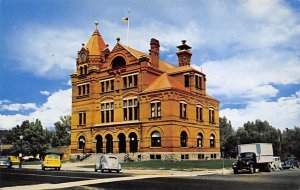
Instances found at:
x=128 y=29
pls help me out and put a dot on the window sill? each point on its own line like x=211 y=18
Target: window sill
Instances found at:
x=83 y=125
x=154 y=118
x=82 y=96
x=156 y=147
x=200 y=121
x=183 y=118
x=129 y=87
x=184 y=147
x=106 y=92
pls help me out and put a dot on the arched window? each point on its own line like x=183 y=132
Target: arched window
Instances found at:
x=99 y=144
x=122 y=143
x=183 y=139
x=81 y=142
x=155 y=139
x=81 y=70
x=199 y=140
x=118 y=62
x=109 y=143
x=212 y=141
x=133 y=143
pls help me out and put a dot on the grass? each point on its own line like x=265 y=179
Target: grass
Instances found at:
x=178 y=165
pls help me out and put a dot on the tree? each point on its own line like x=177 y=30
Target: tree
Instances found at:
x=61 y=136
x=227 y=137
x=35 y=138
x=259 y=132
x=291 y=142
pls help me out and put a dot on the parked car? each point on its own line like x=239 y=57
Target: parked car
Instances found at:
x=276 y=164
x=5 y=161
x=109 y=163
x=287 y=164
x=51 y=161
x=294 y=161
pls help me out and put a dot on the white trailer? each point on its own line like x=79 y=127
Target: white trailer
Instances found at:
x=263 y=151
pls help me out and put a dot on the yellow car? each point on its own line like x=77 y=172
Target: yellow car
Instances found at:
x=51 y=161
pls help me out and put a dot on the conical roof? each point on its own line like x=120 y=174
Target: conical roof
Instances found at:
x=96 y=44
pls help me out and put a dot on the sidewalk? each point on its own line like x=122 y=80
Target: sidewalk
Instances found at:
x=78 y=166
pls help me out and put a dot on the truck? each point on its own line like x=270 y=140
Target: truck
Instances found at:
x=254 y=156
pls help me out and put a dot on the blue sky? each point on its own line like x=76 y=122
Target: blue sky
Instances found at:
x=249 y=50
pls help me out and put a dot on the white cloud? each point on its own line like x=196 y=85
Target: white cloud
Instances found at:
x=283 y=113
x=8 y=106
x=45 y=93
x=58 y=104
x=48 y=51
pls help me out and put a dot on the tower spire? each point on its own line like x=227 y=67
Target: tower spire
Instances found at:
x=96 y=24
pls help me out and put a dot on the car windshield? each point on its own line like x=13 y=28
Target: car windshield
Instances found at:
x=112 y=158
x=53 y=157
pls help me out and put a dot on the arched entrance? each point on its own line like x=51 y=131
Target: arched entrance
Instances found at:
x=99 y=144
x=122 y=143
x=109 y=143
x=183 y=139
x=133 y=143
x=81 y=142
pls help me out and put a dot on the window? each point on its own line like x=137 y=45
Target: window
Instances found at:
x=198 y=81
x=83 y=89
x=118 y=62
x=183 y=139
x=182 y=109
x=81 y=142
x=155 y=109
x=82 y=118
x=200 y=156
x=155 y=139
x=199 y=113
x=107 y=112
x=130 y=81
x=85 y=70
x=212 y=141
x=107 y=85
x=199 y=140
x=186 y=80
x=130 y=109
x=211 y=115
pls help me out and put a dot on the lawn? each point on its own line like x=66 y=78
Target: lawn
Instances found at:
x=178 y=165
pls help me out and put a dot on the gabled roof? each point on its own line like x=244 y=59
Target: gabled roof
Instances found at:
x=163 y=66
x=182 y=69
x=96 y=44
x=165 y=82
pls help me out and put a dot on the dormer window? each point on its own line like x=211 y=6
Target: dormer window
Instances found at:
x=186 y=80
x=198 y=81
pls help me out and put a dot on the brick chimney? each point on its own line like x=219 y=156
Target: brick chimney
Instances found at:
x=184 y=54
x=154 y=52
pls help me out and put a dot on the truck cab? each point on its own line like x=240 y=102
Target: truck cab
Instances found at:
x=246 y=161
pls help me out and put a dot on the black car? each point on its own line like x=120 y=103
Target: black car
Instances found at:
x=294 y=161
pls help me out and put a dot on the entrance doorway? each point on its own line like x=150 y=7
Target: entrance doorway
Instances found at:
x=133 y=142
x=122 y=143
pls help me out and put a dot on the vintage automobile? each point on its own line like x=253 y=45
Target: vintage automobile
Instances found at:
x=276 y=164
x=5 y=161
x=51 y=161
x=108 y=162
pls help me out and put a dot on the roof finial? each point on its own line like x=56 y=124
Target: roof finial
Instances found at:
x=96 y=23
x=118 y=39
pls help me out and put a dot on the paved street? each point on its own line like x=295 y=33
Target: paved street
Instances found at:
x=37 y=179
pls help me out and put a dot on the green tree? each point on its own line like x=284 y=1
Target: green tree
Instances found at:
x=61 y=135
x=291 y=142
x=259 y=132
x=35 y=138
x=227 y=137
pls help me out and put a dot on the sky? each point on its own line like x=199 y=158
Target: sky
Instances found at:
x=248 y=49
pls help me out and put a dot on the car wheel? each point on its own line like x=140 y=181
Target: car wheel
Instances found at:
x=118 y=171
x=102 y=170
x=58 y=169
x=235 y=171
x=96 y=170
x=43 y=168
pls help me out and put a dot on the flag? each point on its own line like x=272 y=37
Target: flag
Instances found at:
x=125 y=19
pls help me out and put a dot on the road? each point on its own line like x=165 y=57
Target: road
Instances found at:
x=36 y=179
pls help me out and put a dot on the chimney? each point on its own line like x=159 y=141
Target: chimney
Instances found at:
x=154 y=52
x=184 y=54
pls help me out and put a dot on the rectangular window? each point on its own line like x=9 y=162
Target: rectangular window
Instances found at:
x=112 y=85
x=130 y=81
x=182 y=109
x=79 y=90
x=199 y=113
x=107 y=86
x=198 y=81
x=186 y=80
x=107 y=112
x=155 y=109
x=82 y=118
x=211 y=115
x=83 y=89
x=130 y=109
x=102 y=86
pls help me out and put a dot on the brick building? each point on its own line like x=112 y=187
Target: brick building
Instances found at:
x=126 y=101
